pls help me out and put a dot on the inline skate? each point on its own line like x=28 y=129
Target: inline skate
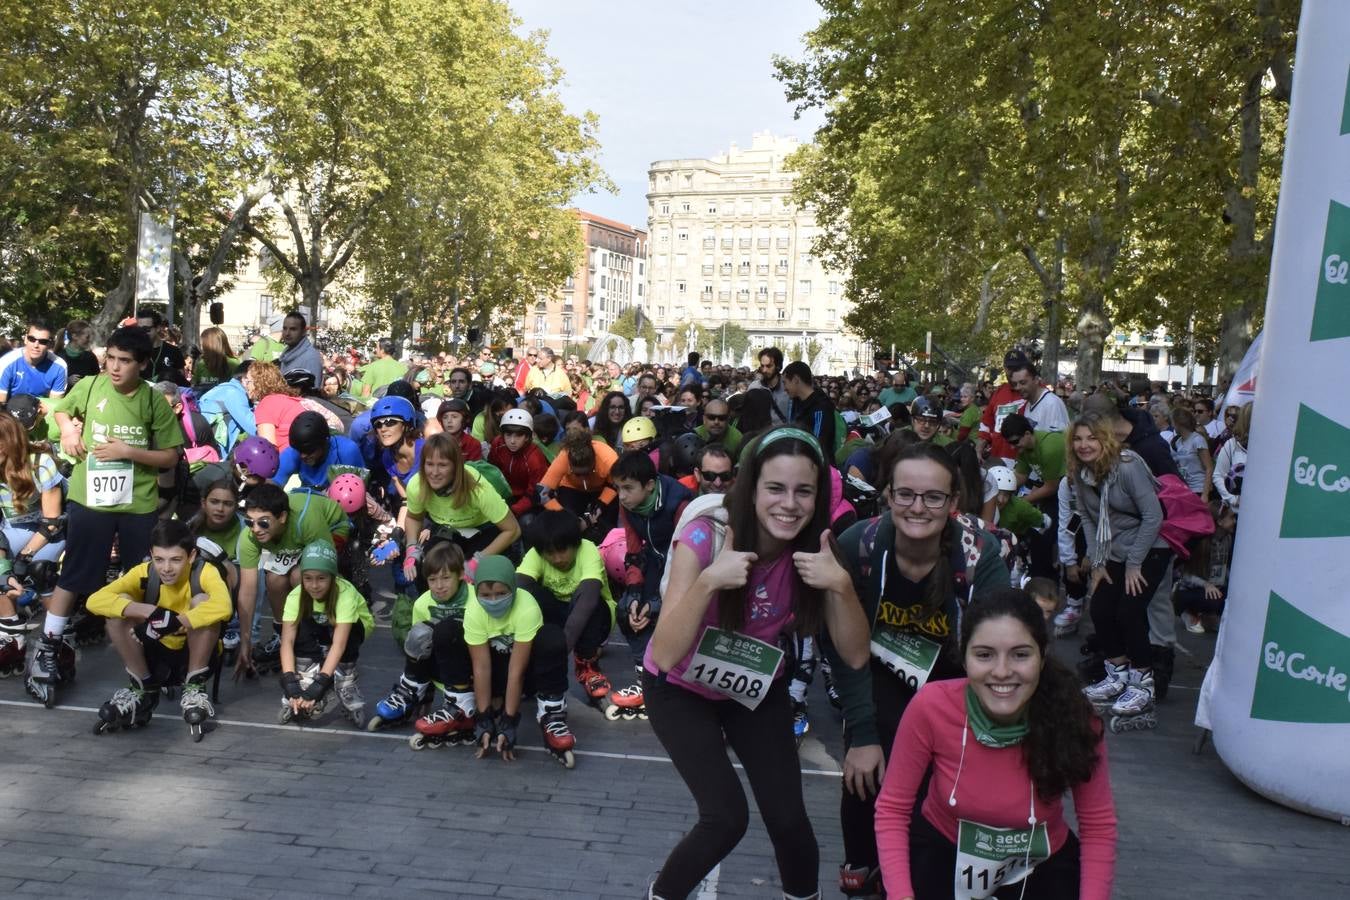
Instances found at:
x=267 y=657
x=451 y=725
x=130 y=707
x=860 y=881
x=627 y=703
x=404 y=702
x=346 y=683
x=51 y=662
x=12 y=642
x=1067 y=619
x=1134 y=709
x=86 y=629
x=229 y=642
x=1103 y=694
x=558 y=739
x=306 y=670
x=592 y=681
x=195 y=702
x=801 y=723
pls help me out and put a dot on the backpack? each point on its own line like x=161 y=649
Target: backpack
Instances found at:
x=493 y=476
x=1185 y=516
x=709 y=507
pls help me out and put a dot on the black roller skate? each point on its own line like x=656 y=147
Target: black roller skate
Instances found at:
x=450 y=725
x=306 y=669
x=267 y=657
x=348 y=689
x=196 y=703
x=87 y=629
x=12 y=642
x=51 y=661
x=131 y=707
x=558 y=739
x=229 y=642
x=404 y=702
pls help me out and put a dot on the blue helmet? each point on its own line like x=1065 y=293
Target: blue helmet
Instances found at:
x=395 y=408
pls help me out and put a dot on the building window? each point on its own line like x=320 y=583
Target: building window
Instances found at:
x=660 y=312
x=712 y=208
x=804 y=286
x=539 y=324
x=782 y=314
x=680 y=287
x=665 y=209
x=761 y=314
x=1152 y=356
x=707 y=290
x=685 y=207
x=707 y=312
x=266 y=307
x=830 y=315
x=726 y=312
x=682 y=235
x=834 y=287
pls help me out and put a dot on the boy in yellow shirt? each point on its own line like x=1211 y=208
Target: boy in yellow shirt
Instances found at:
x=164 y=616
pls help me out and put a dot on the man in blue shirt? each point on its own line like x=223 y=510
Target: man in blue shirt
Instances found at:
x=33 y=368
x=316 y=456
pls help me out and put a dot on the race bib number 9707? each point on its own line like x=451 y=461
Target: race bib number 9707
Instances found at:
x=739 y=668
x=108 y=483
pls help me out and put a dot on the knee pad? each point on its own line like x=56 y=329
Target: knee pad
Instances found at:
x=417 y=645
x=43 y=574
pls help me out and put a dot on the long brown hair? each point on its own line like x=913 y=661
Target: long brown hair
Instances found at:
x=1101 y=427
x=216 y=353
x=267 y=379
x=461 y=482
x=17 y=457
x=808 y=602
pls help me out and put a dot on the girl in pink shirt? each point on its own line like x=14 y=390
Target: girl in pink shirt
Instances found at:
x=1004 y=744
x=715 y=671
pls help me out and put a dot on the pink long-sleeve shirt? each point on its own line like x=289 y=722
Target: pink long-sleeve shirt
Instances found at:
x=994 y=789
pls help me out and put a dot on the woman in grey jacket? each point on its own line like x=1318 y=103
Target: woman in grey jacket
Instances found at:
x=1121 y=514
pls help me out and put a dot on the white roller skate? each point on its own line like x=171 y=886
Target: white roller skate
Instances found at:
x=1104 y=693
x=1133 y=709
x=306 y=669
x=1067 y=619
x=345 y=684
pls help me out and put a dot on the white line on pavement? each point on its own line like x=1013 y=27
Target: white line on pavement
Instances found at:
x=708 y=890
x=350 y=732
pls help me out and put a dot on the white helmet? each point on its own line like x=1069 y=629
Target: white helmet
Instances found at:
x=518 y=418
x=1003 y=478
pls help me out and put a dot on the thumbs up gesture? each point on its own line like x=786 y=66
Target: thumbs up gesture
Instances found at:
x=822 y=569
x=731 y=567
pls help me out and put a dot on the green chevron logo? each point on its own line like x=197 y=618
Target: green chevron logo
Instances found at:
x=1317 y=496
x=1303 y=674
x=1331 y=315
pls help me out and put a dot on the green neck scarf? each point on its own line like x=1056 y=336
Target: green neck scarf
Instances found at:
x=648 y=506
x=986 y=732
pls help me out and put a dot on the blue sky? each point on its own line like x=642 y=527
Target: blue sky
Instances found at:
x=671 y=80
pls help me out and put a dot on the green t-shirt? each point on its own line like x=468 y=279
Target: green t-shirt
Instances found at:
x=351 y=607
x=970 y=418
x=385 y=370
x=427 y=608
x=1045 y=461
x=485 y=505
x=891 y=395
x=479 y=426
x=1019 y=516
x=521 y=623
x=552 y=450
x=562 y=584
x=142 y=419
x=201 y=374
x=312 y=517
x=228 y=537
x=265 y=349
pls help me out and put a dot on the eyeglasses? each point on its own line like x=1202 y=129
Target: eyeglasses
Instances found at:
x=261 y=524
x=43 y=342
x=718 y=477
x=903 y=498
x=621 y=407
x=386 y=423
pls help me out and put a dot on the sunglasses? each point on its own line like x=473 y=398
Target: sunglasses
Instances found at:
x=709 y=417
x=718 y=477
x=263 y=523
x=386 y=423
x=44 y=342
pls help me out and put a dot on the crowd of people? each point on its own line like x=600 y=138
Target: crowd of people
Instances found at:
x=918 y=544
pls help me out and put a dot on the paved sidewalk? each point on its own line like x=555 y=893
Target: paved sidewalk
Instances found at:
x=258 y=810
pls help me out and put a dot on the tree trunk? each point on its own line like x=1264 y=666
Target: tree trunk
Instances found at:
x=1246 y=255
x=1093 y=327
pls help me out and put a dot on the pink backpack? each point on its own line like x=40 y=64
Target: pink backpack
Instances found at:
x=1185 y=515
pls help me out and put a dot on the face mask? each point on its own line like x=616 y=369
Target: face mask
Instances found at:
x=497 y=608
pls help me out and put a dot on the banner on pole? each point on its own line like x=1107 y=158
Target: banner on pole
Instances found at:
x=154 y=258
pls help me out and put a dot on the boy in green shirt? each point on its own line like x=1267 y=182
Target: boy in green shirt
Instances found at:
x=279 y=527
x=122 y=433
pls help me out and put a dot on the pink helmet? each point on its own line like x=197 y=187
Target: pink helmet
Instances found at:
x=612 y=551
x=257 y=456
x=349 y=491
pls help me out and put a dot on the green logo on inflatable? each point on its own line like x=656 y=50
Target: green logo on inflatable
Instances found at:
x=1345 y=108
x=1331 y=316
x=1304 y=671
x=1317 y=498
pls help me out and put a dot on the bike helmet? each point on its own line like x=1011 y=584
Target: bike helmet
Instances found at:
x=257 y=456
x=925 y=408
x=24 y=407
x=309 y=432
x=517 y=418
x=684 y=451
x=1003 y=478
x=390 y=408
x=349 y=491
x=638 y=428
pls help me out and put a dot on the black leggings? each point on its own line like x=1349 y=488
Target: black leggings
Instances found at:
x=451 y=665
x=932 y=868
x=1121 y=621
x=890 y=698
x=557 y=612
x=313 y=641
x=692 y=729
